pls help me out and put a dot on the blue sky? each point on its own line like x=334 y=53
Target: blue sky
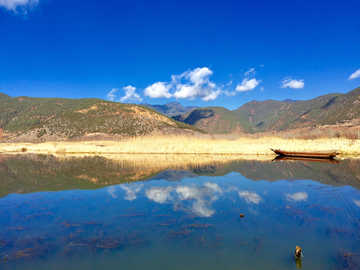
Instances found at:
x=202 y=53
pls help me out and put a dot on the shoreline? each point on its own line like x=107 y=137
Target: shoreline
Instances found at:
x=185 y=145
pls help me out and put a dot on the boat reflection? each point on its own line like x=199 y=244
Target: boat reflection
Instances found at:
x=326 y=160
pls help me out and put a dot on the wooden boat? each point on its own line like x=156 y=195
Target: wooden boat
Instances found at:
x=314 y=154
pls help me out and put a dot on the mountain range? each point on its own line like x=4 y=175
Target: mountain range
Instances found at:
x=272 y=115
x=44 y=119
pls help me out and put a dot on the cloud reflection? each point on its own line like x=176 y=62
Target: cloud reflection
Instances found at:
x=204 y=196
x=201 y=208
x=131 y=191
x=201 y=197
x=111 y=190
x=250 y=197
x=299 y=196
x=213 y=186
x=159 y=195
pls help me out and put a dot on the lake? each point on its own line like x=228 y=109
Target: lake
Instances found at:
x=177 y=212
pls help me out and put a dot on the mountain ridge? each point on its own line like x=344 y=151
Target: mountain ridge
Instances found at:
x=171 y=108
x=216 y=120
x=41 y=119
x=279 y=116
x=45 y=119
x=327 y=109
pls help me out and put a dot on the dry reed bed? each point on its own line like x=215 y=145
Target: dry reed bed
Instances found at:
x=169 y=160
x=140 y=162
x=187 y=145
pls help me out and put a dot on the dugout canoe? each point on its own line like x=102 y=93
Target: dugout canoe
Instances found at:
x=312 y=154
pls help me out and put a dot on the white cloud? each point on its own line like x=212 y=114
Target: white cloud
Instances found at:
x=247 y=85
x=212 y=95
x=198 y=76
x=250 y=72
x=130 y=94
x=355 y=75
x=250 y=197
x=229 y=94
x=295 y=84
x=158 y=90
x=15 y=5
x=194 y=91
x=299 y=196
x=111 y=95
x=198 y=85
x=190 y=84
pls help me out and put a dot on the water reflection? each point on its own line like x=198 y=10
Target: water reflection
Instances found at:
x=32 y=173
x=97 y=212
x=131 y=191
x=250 y=197
x=112 y=191
x=298 y=196
x=204 y=196
x=201 y=196
x=323 y=160
x=159 y=195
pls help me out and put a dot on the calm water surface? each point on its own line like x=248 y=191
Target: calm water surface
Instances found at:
x=131 y=213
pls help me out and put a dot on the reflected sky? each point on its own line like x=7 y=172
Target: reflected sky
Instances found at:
x=298 y=196
x=250 y=197
x=131 y=191
x=186 y=223
x=29 y=173
x=357 y=202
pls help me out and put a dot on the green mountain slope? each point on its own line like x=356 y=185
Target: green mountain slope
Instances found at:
x=39 y=119
x=217 y=120
x=263 y=114
x=272 y=115
x=278 y=116
x=343 y=108
x=19 y=113
x=2 y=96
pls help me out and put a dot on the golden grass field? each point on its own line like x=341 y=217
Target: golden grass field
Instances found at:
x=181 y=144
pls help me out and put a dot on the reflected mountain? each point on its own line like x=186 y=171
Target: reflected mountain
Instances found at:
x=27 y=173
